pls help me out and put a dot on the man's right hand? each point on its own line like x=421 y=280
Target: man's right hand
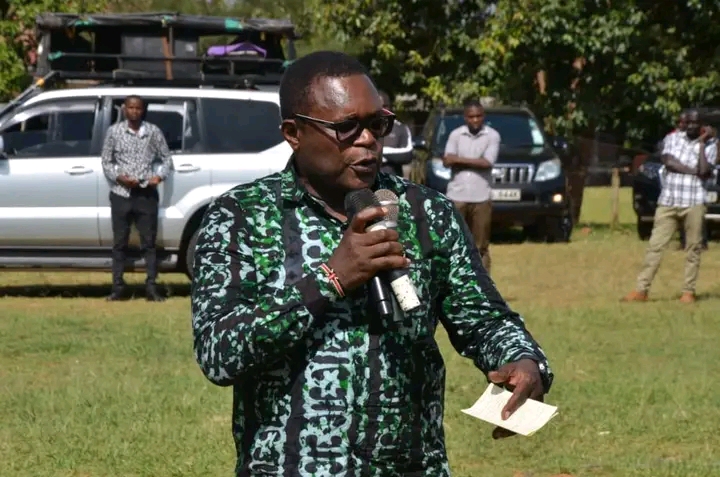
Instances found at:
x=361 y=255
x=705 y=134
x=127 y=182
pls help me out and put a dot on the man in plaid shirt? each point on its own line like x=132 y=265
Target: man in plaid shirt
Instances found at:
x=687 y=158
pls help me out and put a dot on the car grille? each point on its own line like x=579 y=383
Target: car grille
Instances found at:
x=518 y=174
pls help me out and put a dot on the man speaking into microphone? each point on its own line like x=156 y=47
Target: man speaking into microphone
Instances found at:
x=286 y=293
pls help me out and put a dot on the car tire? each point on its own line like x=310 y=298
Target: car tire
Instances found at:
x=558 y=229
x=644 y=230
x=190 y=253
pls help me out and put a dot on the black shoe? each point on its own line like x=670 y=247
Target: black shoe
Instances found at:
x=118 y=294
x=152 y=294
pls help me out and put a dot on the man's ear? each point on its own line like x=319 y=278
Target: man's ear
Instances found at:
x=291 y=133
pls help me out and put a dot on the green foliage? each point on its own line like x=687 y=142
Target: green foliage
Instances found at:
x=413 y=46
x=626 y=66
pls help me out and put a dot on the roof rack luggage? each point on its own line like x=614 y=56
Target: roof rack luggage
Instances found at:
x=158 y=49
x=162 y=47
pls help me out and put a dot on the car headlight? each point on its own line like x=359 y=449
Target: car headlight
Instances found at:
x=548 y=170
x=439 y=170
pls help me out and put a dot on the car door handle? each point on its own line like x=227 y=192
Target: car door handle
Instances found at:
x=187 y=168
x=78 y=170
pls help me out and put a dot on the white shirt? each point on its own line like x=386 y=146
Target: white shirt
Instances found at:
x=470 y=184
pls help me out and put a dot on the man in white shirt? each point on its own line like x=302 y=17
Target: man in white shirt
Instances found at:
x=687 y=159
x=471 y=152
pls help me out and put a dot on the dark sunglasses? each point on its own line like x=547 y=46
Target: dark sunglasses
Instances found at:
x=380 y=125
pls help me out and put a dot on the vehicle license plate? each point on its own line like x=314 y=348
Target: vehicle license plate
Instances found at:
x=711 y=197
x=505 y=194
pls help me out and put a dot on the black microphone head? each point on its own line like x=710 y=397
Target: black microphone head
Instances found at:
x=358 y=200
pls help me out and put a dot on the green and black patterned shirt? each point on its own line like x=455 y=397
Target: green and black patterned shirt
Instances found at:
x=321 y=387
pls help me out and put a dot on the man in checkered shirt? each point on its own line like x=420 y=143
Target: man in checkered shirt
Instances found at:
x=688 y=160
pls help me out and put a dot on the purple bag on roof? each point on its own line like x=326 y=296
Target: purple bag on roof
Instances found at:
x=239 y=49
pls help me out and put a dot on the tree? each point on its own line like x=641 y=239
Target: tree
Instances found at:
x=625 y=66
x=417 y=46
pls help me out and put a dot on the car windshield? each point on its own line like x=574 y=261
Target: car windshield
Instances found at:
x=516 y=130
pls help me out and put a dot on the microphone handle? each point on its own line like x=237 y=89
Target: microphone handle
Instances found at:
x=381 y=295
x=403 y=288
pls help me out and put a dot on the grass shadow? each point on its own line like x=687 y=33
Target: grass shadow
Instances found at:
x=508 y=236
x=88 y=290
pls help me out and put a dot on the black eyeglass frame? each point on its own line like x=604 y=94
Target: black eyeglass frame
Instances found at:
x=359 y=125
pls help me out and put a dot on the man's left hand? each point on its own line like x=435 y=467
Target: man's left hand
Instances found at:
x=155 y=180
x=523 y=379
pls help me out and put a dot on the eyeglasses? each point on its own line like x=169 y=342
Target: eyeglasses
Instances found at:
x=380 y=125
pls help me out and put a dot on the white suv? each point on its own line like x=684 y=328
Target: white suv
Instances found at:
x=54 y=197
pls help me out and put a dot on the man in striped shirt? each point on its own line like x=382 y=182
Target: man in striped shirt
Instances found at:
x=687 y=159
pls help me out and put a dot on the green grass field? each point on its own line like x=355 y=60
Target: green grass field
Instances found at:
x=93 y=389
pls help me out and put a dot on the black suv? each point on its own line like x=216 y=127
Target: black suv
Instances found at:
x=529 y=182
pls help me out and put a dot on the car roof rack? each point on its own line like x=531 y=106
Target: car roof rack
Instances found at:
x=157 y=49
x=203 y=25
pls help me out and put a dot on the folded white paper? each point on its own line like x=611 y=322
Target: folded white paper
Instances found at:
x=529 y=417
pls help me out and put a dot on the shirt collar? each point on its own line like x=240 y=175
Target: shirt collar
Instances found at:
x=466 y=131
x=294 y=190
x=142 y=132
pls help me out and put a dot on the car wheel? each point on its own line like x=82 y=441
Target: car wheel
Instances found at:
x=644 y=229
x=559 y=229
x=190 y=253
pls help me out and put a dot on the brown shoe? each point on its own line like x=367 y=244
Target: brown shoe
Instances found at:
x=687 y=297
x=635 y=296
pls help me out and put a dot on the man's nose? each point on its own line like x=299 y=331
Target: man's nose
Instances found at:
x=366 y=138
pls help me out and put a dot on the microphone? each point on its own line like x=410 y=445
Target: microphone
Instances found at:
x=380 y=293
x=400 y=282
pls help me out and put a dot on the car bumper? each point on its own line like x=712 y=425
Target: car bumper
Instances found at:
x=538 y=200
x=526 y=213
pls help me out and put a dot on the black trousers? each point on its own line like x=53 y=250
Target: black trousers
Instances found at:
x=141 y=209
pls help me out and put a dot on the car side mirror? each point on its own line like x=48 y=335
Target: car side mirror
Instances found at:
x=3 y=154
x=419 y=143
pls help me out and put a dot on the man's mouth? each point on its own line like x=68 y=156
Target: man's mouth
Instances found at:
x=365 y=166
